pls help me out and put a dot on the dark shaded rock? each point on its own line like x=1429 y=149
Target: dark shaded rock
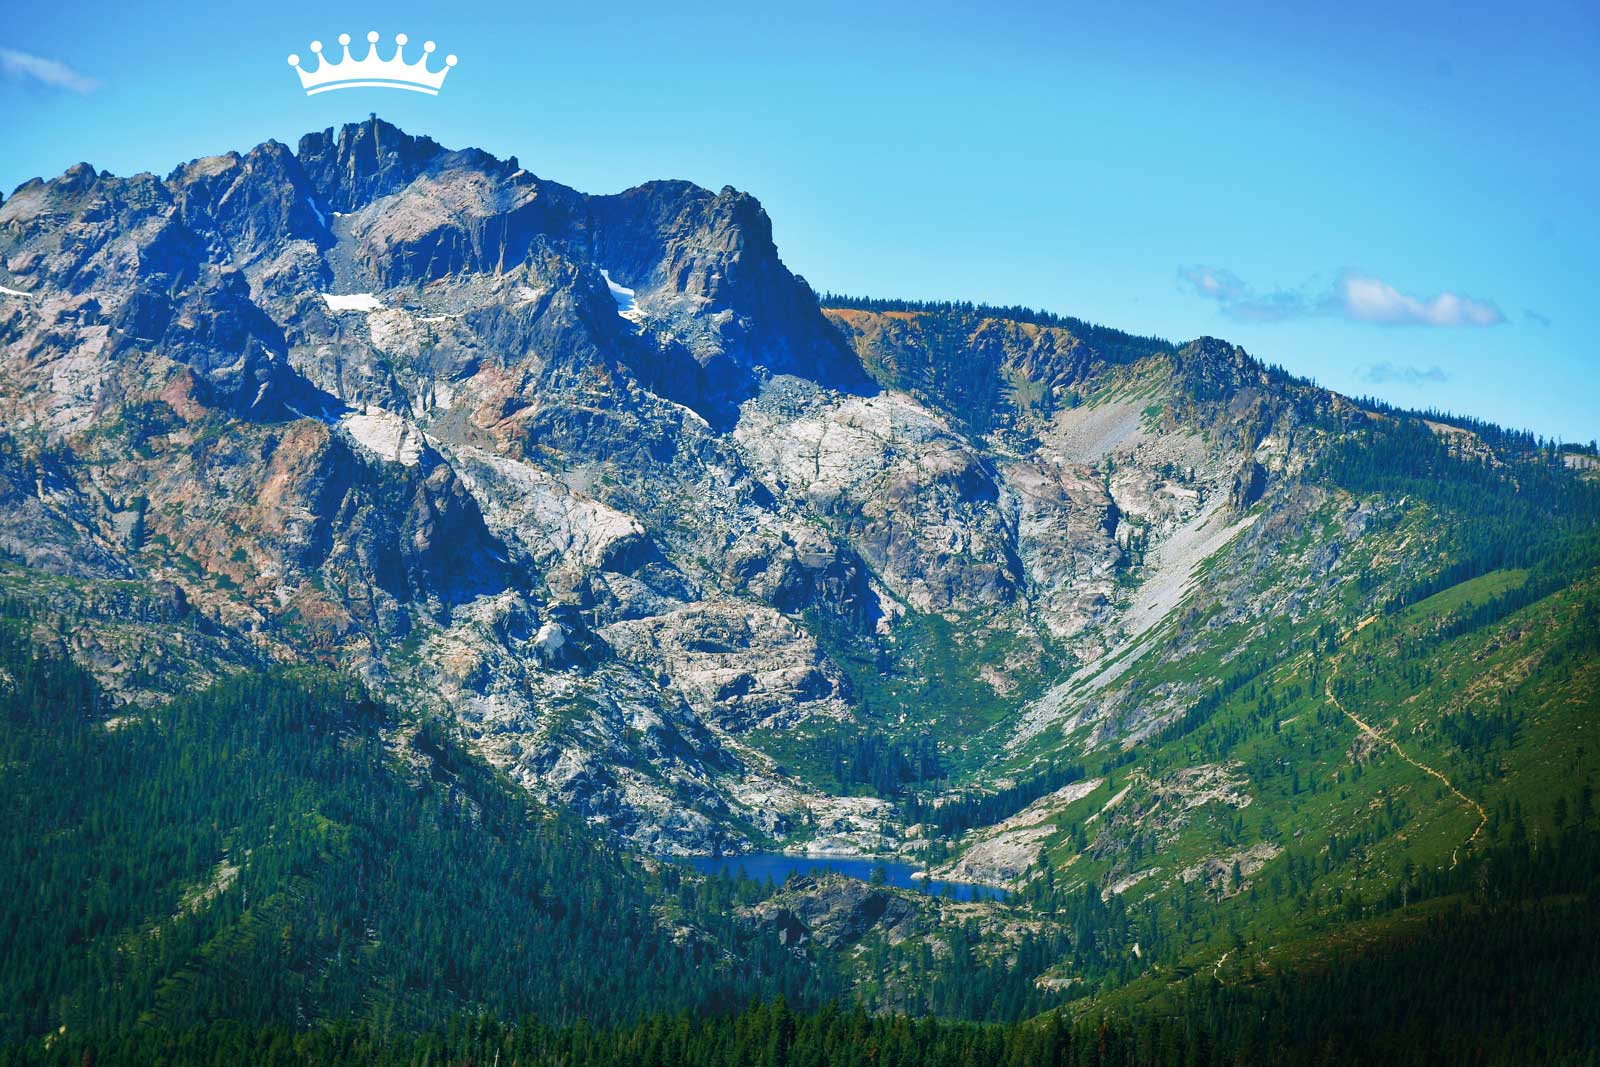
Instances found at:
x=1249 y=482
x=235 y=349
x=250 y=205
x=448 y=551
x=834 y=911
x=364 y=161
x=565 y=640
x=1210 y=369
x=706 y=253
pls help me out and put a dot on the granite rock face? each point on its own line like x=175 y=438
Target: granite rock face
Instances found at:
x=594 y=475
x=836 y=912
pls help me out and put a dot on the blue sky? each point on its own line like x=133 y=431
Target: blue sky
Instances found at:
x=1393 y=199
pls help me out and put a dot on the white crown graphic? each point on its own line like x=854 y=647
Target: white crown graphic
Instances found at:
x=372 y=72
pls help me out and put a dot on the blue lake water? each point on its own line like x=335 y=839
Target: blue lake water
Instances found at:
x=777 y=866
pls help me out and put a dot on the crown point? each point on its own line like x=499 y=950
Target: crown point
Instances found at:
x=373 y=70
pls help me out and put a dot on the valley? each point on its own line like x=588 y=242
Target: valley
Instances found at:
x=495 y=548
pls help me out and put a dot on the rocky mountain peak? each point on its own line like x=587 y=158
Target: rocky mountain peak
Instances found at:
x=1212 y=368
x=363 y=161
x=713 y=309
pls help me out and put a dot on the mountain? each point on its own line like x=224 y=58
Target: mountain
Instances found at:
x=1201 y=660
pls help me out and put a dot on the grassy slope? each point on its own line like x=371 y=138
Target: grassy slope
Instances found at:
x=1501 y=711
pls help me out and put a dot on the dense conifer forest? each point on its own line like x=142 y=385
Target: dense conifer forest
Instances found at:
x=1507 y=984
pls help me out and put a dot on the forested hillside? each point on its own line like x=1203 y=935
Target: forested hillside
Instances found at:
x=1507 y=982
x=279 y=849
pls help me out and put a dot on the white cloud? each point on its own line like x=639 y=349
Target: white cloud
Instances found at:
x=1374 y=300
x=1355 y=296
x=50 y=72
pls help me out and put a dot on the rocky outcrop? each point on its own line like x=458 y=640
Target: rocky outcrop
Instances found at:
x=365 y=160
x=251 y=205
x=1003 y=853
x=894 y=482
x=835 y=912
x=1248 y=483
x=1230 y=873
x=1210 y=369
x=706 y=265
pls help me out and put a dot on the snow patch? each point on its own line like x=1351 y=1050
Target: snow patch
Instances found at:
x=312 y=204
x=627 y=307
x=19 y=292
x=549 y=641
x=386 y=434
x=352 y=302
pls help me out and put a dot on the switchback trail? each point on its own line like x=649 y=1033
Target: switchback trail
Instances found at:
x=1379 y=735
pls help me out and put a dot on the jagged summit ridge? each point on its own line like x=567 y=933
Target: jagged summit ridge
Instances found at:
x=702 y=262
